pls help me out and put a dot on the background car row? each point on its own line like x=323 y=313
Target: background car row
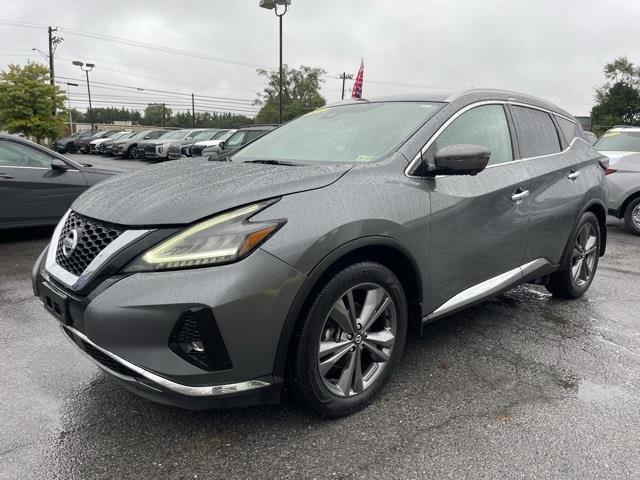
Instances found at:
x=161 y=144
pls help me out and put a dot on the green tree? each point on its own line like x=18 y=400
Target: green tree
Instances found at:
x=618 y=100
x=157 y=114
x=301 y=93
x=28 y=102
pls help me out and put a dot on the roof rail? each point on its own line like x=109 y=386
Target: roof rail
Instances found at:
x=626 y=126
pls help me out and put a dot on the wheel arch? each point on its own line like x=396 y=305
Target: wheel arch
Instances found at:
x=380 y=249
x=627 y=201
x=600 y=211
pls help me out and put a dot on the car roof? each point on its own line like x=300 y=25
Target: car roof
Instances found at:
x=256 y=127
x=468 y=96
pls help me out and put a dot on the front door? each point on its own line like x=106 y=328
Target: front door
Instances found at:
x=31 y=192
x=479 y=224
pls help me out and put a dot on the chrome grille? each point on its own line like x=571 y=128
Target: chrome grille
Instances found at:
x=93 y=237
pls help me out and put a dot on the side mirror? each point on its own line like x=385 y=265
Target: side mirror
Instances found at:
x=59 y=165
x=461 y=159
x=221 y=145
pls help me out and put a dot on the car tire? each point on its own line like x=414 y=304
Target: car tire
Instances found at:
x=580 y=260
x=128 y=153
x=336 y=367
x=632 y=216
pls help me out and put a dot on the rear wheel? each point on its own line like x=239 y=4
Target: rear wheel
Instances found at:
x=350 y=340
x=632 y=216
x=580 y=260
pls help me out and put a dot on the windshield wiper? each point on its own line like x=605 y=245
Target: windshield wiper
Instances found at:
x=274 y=162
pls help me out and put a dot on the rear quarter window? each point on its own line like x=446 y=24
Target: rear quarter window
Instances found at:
x=569 y=129
x=536 y=132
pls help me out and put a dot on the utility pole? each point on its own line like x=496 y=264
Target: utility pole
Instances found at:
x=193 y=111
x=164 y=117
x=53 y=44
x=344 y=77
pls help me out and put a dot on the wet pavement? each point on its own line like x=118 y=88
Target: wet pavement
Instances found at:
x=523 y=386
x=114 y=163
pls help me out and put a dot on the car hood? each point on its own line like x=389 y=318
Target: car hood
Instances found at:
x=208 y=143
x=184 y=191
x=614 y=156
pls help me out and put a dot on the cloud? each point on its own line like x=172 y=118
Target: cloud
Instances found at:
x=555 y=50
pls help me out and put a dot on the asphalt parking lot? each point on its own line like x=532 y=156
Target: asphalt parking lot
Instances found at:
x=523 y=386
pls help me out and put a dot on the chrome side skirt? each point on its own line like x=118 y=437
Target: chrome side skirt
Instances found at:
x=487 y=288
x=158 y=382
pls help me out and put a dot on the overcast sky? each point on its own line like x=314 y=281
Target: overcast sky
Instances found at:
x=554 y=49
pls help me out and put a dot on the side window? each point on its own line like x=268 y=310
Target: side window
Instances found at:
x=13 y=154
x=537 y=135
x=253 y=135
x=485 y=125
x=569 y=129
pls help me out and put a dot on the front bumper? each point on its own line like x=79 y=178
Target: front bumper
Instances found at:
x=125 y=325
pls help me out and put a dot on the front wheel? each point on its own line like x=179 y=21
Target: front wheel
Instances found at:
x=632 y=216
x=580 y=260
x=350 y=340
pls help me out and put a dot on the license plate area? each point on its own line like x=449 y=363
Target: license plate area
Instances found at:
x=55 y=302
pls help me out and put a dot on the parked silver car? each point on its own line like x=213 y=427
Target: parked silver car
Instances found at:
x=309 y=255
x=622 y=146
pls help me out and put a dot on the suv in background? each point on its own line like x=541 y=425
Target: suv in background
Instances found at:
x=128 y=147
x=181 y=149
x=67 y=144
x=622 y=145
x=82 y=143
x=159 y=149
x=308 y=256
x=239 y=139
x=198 y=147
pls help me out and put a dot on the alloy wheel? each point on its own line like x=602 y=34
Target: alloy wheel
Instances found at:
x=357 y=339
x=585 y=252
x=635 y=216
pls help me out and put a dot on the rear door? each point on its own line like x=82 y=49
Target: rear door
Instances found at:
x=478 y=223
x=557 y=180
x=31 y=192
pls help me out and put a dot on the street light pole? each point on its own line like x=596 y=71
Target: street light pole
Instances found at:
x=86 y=68
x=69 y=84
x=273 y=5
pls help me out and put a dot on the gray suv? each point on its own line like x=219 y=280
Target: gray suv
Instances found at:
x=622 y=146
x=306 y=258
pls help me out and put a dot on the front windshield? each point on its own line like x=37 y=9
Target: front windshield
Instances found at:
x=204 y=135
x=175 y=134
x=618 y=141
x=223 y=135
x=235 y=139
x=361 y=132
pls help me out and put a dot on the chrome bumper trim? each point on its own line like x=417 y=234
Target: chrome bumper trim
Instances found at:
x=68 y=278
x=158 y=381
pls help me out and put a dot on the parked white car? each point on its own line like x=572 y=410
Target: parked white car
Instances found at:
x=198 y=147
x=93 y=145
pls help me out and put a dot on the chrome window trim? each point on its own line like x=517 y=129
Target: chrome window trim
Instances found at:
x=77 y=282
x=202 y=391
x=487 y=288
x=466 y=108
x=37 y=168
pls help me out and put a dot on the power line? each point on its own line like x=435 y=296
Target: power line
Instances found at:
x=201 y=56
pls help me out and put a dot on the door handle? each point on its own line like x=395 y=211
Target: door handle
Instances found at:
x=520 y=196
x=573 y=175
x=4 y=175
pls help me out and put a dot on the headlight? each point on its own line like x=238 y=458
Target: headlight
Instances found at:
x=225 y=238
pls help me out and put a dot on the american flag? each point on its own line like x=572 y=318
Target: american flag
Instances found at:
x=357 y=85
